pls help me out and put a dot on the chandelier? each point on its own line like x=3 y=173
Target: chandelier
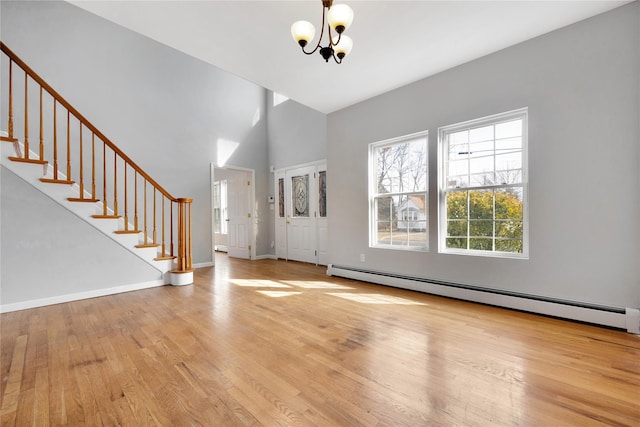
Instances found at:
x=339 y=17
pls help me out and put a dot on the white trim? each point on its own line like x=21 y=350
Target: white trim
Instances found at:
x=633 y=320
x=213 y=226
x=629 y=321
x=204 y=265
x=302 y=165
x=267 y=256
x=23 y=305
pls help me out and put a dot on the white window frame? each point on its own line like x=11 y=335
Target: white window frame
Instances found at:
x=373 y=192
x=443 y=190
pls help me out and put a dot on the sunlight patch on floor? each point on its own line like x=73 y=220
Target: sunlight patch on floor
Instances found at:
x=315 y=285
x=376 y=299
x=257 y=283
x=278 y=294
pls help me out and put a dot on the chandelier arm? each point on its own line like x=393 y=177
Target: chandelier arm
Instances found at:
x=324 y=11
x=331 y=43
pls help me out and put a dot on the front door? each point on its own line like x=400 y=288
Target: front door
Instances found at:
x=301 y=206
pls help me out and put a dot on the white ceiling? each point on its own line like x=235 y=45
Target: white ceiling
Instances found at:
x=395 y=42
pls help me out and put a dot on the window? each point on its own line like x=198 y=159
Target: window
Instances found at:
x=220 y=206
x=398 y=193
x=483 y=188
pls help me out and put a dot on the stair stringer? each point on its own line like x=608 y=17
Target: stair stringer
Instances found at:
x=60 y=193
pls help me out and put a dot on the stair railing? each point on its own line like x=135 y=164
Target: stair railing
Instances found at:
x=125 y=191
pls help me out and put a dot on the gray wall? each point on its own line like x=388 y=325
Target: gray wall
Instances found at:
x=166 y=110
x=44 y=244
x=582 y=87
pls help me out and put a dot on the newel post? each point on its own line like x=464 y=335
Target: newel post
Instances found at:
x=183 y=274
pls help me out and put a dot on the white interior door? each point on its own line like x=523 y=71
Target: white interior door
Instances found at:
x=239 y=219
x=301 y=204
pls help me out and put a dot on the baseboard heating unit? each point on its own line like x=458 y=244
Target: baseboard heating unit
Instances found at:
x=616 y=317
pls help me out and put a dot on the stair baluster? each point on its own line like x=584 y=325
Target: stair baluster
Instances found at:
x=158 y=215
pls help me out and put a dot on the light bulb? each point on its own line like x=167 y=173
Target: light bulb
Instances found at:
x=303 y=32
x=340 y=17
x=343 y=47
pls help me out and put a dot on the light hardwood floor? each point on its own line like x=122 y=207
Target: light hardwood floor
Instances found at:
x=280 y=343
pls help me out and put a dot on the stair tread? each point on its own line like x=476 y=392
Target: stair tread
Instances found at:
x=127 y=231
x=57 y=181
x=165 y=258
x=7 y=139
x=23 y=160
x=147 y=245
x=80 y=199
x=106 y=216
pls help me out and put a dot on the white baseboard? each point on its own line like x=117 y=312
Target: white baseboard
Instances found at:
x=267 y=256
x=617 y=317
x=23 y=305
x=203 y=265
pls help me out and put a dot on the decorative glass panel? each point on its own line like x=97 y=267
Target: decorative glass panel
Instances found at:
x=281 y=197
x=322 y=194
x=300 y=195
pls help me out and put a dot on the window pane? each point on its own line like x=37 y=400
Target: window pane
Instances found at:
x=411 y=210
x=457 y=228
x=322 y=194
x=281 y=197
x=418 y=236
x=484 y=133
x=508 y=144
x=402 y=167
x=509 y=161
x=456 y=243
x=481 y=228
x=461 y=137
x=509 y=129
x=509 y=229
x=300 y=195
x=458 y=167
x=457 y=205
x=482 y=179
x=383 y=235
x=509 y=203
x=383 y=208
x=481 y=204
x=512 y=246
x=481 y=244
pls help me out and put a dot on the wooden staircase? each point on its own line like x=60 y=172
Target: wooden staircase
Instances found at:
x=81 y=169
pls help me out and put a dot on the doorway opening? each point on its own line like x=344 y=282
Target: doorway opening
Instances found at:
x=232 y=196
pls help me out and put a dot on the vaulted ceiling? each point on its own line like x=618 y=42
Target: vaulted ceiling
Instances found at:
x=395 y=42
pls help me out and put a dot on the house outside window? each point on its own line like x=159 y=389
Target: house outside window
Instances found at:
x=398 y=193
x=483 y=186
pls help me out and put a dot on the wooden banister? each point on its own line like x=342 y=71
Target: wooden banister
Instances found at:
x=115 y=174
x=80 y=117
